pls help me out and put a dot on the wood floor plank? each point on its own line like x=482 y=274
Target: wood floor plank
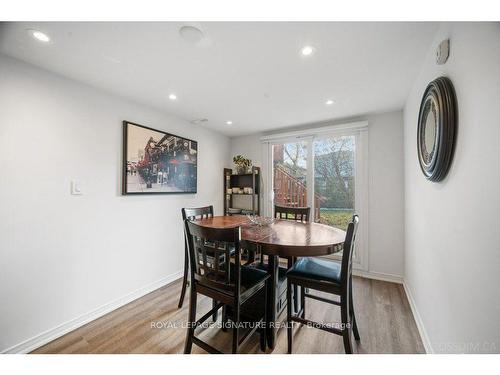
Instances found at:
x=383 y=313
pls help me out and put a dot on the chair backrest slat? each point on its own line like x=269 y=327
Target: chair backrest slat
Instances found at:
x=210 y=255
x=292 y=213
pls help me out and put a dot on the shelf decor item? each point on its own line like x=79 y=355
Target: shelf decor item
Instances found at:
x=241 y=191
x=242 y=164
x=156 y=162
x=437 y=128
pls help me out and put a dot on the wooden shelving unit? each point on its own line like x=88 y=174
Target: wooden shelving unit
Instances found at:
x=248 y=202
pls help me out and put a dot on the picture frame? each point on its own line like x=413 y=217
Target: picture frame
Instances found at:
x=158 y=162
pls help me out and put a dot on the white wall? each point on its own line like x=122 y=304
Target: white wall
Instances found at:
x=452 y=245
x=248 y=146
x=63 y=256
x=386 y=198
x=385 y=221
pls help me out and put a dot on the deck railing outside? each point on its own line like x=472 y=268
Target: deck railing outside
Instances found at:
x=291 y=192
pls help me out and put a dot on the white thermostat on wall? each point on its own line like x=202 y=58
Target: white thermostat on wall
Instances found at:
x=443 y=52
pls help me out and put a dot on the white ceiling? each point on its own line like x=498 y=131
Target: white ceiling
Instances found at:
x=250 y=73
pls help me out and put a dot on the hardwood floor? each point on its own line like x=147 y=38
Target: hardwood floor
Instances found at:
x=146 y=325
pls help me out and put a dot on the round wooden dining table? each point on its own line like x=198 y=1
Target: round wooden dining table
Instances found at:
x=283 y=238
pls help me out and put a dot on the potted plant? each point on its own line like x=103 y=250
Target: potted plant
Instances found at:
x=242 y=164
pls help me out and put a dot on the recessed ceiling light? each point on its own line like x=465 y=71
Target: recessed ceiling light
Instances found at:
x=172 y=97
x=229 y=122
x=329 y=102
x=307 y=50
x=42 y=37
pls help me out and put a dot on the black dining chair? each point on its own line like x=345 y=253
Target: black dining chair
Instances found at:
x=191 y=214
x=331 y=277
x=214 y=275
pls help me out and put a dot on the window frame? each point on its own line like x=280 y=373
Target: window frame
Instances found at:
x=357 y=129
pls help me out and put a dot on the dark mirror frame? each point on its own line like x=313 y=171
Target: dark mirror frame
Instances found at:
x=441 y=93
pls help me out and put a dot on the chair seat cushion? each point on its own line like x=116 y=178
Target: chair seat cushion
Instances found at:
x=265 y=267
x=249 y=277
x=251 y=280
x=316 y=269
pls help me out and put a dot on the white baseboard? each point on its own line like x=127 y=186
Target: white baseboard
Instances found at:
x=378 y=276
x=418 y=320
x=53 y=333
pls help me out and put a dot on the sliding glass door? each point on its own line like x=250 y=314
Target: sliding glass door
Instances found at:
x=335 y=180
x=290 y=173
x=325 y=171
x=333 y=160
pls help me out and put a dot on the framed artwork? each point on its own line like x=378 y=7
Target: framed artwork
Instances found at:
x=156 y=162
x=437 y=128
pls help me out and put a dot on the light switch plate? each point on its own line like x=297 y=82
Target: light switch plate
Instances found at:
x=76 y=188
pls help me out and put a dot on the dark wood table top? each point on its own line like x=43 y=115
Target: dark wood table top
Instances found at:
x=284 y=237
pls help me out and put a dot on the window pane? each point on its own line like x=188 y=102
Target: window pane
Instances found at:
x=289 y=174
x=334 y=178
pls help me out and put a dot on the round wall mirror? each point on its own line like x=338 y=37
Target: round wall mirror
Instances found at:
x=437 y=129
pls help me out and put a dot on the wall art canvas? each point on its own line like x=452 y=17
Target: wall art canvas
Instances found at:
x=156 y=162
